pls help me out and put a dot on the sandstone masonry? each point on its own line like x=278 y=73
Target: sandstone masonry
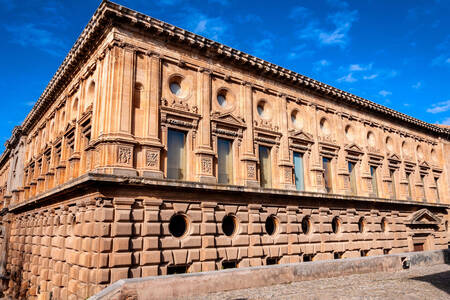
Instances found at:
x=156 y=151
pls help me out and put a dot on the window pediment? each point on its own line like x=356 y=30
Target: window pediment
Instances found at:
x=354 y=149
x=228 y=119
x=424 y=217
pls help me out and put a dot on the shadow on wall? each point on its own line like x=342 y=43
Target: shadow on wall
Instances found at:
x=438 y=280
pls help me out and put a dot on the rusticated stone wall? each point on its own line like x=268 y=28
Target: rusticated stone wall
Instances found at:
x=74 y=250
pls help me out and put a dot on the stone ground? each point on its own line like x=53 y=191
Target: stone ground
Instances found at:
x=420 y=283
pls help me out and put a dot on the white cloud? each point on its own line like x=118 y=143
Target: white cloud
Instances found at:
x=384 y=93
x=370 y=77
x=417 y=85
x=30 y=34
x=320 y=64
x=358 y=67
x=439 y=107
x=341 y=23
x=347 y=78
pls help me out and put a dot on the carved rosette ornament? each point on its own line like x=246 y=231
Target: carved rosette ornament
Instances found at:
x=124 y=155
x=206 y=165
x=251 y=170
x=152 y=159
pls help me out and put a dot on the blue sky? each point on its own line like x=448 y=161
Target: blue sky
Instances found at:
x=396 y=53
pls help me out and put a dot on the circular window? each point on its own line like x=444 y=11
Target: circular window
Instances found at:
x=263 y=109
x=229 y=225
x=325 y=126
x=389 y=144
x=419 y=152
x=384 y=224
x=349 y=133
x=306 y=225
x=371 y=138
x=362 y=225
x=271 y=225
x=222 y=99
x=178 y=225
x=176 y=86
x=296 y=119
x=336 y=225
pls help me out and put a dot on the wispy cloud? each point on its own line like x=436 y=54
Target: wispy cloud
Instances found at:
x=384 y=93
x=29 y=34
x=446 y=121
x=358 y=67
x=441 y=60
x=300 y=51
x=333 y=32
x=417 y=85
x=370 y=77
x=319 y=65
x=347 y=78
x=439 y=107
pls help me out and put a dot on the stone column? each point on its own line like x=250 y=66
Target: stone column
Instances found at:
x=204 y=152
x=248 y=157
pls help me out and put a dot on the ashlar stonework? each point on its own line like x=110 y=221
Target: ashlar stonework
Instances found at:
x=156 y=151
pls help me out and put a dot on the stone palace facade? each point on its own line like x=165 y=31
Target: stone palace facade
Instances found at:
x=156 y=151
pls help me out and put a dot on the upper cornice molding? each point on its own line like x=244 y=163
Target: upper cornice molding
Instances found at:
x=109 y=13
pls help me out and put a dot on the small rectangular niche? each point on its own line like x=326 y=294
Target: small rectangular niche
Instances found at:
x=308 y=257
x=386 y=251
x=229 y=264
x=177 y=269
x=363 y=252
x=272 y=261
x=337 y=255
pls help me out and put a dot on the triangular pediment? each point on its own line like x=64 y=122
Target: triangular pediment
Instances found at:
x=424 y=164
x=394 y=157
x=424 y=217
x=301 y=135
x=353 y=148
x=228 y=118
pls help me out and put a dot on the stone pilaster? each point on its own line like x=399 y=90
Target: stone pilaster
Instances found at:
x=204 y=152
x=151 y=150
x=285 y=162
x=248 y=157
x=317 y=182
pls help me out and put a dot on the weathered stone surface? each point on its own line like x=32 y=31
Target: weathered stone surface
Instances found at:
x=85 y=197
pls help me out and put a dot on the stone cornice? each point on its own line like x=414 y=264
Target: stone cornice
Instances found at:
x=109 y=13
x=97 y=179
